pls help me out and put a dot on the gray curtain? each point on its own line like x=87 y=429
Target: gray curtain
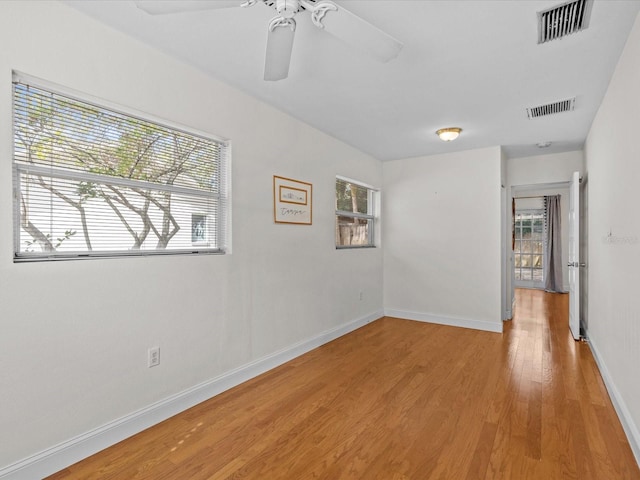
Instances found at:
x=553 y=245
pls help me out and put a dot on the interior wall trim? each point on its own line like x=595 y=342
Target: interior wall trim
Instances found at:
x=521 y=189
x=67 y=453
x=630 y=428
x=483 y=325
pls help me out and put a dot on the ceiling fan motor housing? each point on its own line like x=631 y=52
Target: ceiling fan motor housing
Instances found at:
x=287 y=8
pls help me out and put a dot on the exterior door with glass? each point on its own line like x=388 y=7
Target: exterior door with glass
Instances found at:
x=529 y=248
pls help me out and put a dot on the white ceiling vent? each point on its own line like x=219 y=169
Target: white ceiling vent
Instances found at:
x=563 y=20
x=551 y=108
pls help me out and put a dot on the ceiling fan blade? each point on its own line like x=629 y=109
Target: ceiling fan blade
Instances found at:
x=162 y=7
x=355 y=31
x=279 y=48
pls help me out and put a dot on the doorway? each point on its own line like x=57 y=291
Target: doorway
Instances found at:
x=525 y=245
x=528 y=247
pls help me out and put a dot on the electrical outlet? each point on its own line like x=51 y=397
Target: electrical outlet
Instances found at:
x=153 y=357
x=360 y=295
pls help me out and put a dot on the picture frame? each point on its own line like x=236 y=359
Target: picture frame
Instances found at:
x=292 y=201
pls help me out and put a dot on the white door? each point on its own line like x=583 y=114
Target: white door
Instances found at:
x=574 y=255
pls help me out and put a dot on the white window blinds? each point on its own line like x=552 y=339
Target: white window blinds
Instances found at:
x=91 y=181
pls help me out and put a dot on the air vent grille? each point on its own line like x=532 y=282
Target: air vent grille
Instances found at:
x=551 y=108
x=563 y=20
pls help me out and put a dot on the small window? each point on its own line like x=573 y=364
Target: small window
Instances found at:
x=199 y=234
x=355 y=214
x=92 y=181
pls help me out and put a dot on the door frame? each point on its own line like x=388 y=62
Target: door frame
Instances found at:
x=513 y=191
x=574 y=256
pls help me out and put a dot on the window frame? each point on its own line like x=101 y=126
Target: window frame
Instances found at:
x=531 y=282
x=221 y=209
x=372 y=217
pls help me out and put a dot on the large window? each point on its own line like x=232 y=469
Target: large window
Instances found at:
x=529 y=247
x=355 y=214
x=91 y=181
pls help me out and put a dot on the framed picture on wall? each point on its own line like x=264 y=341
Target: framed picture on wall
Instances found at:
x=292 y=201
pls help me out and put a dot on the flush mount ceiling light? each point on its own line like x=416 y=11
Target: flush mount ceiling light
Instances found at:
x=543 y=144
x=448 y=134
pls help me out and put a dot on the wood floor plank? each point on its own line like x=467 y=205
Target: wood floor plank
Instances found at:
x=400 y=400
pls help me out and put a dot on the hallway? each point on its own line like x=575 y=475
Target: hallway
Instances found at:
x=557 y=420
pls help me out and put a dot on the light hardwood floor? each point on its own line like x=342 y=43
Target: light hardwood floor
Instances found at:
x=400 y=400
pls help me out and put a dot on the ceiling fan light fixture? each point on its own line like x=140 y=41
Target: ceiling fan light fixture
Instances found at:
x=340 y=22
x=448 y=134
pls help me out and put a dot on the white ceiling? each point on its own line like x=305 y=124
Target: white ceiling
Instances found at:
x=472 y=64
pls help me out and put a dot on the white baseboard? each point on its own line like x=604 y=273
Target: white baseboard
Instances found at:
x=630 y=428
x=75 y=449
x=446 y=320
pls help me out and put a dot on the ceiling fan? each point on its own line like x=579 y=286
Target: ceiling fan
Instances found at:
x=325 y=15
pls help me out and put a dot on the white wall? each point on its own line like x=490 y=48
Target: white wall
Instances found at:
x=442 y=259
x=74 y=335
x=552 y=168
x=613 y=170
